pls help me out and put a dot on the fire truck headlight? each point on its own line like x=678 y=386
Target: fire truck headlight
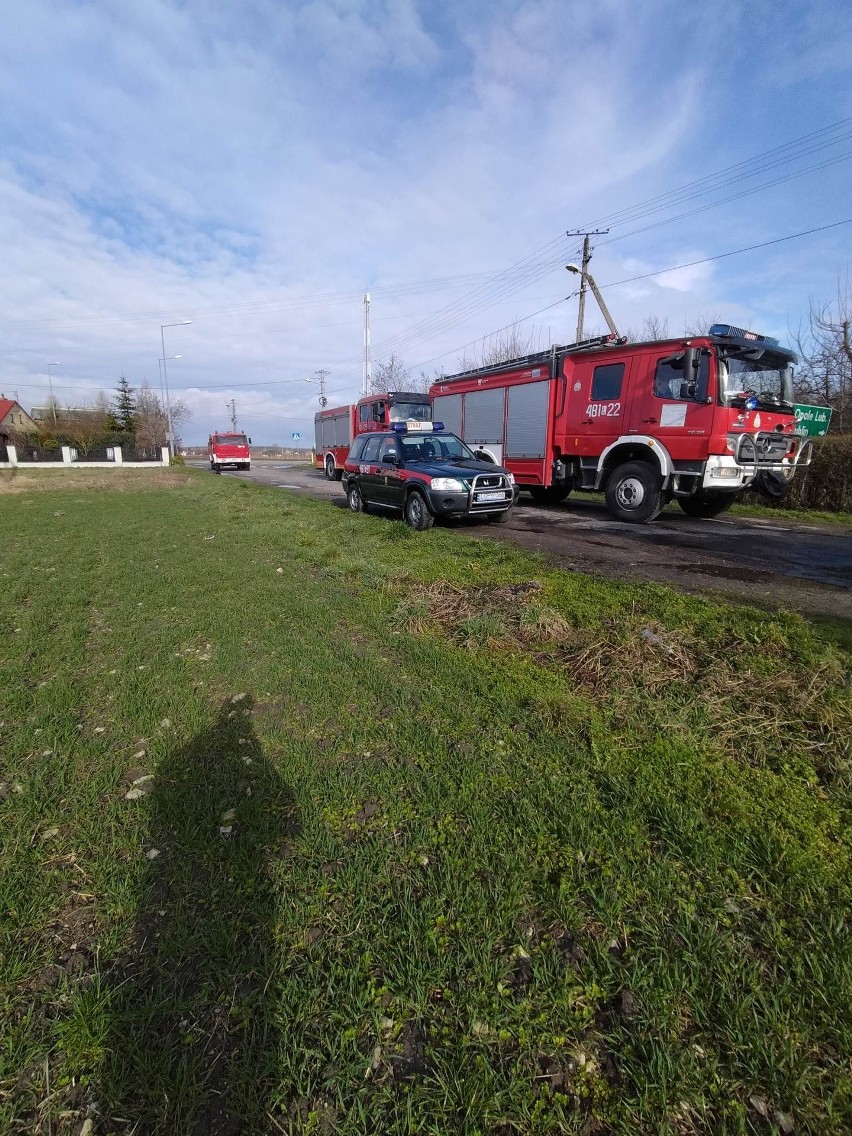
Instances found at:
x=726 y=472
x=731 y=443
x=448 y=485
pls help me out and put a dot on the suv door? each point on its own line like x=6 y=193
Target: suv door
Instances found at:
x=390 y=484
x=368 y=469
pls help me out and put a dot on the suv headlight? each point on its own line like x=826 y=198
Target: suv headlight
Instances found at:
x=448 y=485
x=510 y=477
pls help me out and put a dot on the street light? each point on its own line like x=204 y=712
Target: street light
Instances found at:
x=50 y=382
x=163 y=326
x=160 y=368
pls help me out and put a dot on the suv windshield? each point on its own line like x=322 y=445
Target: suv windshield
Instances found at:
x=418 y=411
x=434 y=447
x=769 y=379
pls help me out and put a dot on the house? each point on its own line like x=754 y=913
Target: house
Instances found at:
x=14 y=420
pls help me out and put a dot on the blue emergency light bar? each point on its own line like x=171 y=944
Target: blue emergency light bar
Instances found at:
x=402 y=427
x=728 y=331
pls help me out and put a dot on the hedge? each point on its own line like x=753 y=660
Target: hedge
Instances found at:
x=826 y=484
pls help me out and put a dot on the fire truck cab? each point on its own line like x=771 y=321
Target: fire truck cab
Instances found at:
x=336 y=427
x=697 y=419
x=229 y=451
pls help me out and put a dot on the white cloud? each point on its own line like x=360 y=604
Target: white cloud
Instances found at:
x=227 y=165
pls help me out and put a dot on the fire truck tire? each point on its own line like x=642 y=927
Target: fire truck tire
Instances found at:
x=417 y=515
x=356 y=502
x=216 y=468
x=330 y=471
x=634 y=492
x=550 y=494
x=706 y=504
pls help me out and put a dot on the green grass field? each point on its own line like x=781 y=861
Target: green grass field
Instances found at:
x=311 y=824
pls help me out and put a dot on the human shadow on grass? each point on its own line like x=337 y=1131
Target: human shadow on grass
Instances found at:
x=192 y=1044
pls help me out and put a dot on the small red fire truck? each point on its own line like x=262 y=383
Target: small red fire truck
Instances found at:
x=696 y=419
x=336 y=427
x=229 y=451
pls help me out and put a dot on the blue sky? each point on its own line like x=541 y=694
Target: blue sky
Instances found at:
x=255 y=167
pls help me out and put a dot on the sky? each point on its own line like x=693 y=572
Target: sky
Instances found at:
x=256 y=167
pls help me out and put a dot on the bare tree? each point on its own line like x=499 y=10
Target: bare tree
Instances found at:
x=390 y=374
x=824 y=346
x=508 y=343
x=150 y=422
x=652 y=329
x=701 y=324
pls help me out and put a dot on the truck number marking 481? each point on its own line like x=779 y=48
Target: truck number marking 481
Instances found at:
x=603 y=410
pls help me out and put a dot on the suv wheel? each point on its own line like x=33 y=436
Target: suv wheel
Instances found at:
x=634 y=493
x=356 y=502
x=417 y=514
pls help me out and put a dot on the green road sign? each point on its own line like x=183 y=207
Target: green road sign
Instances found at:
x=813 y=420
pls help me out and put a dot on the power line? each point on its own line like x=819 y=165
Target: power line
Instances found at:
x=645 y=276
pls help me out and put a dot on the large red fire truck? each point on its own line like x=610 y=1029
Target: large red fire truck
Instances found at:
x=229 y=451
x=697 y=419
x=336 y=427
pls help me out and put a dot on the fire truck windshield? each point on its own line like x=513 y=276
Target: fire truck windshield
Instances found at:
x=418 y=411
x=769 y=379
x=231 y=439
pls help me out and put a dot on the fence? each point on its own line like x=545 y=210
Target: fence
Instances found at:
x=98 y=457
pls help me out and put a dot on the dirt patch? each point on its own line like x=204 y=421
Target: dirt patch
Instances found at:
x=121 y=479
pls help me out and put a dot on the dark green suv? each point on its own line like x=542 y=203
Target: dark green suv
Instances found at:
x=425 y=474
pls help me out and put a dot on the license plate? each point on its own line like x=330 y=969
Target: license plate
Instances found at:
x=498 y=495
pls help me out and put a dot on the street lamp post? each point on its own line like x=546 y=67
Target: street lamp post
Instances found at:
x=160 y=367
x=163 y=326
x=50 y=383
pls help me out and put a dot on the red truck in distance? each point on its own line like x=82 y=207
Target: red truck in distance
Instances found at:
x=229 y=451
x=336 y=427
x=695 y=419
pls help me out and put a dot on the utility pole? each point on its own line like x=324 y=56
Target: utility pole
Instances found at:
x=368 y=374
x=233 y=406
x=584 y=273
x=323 y=401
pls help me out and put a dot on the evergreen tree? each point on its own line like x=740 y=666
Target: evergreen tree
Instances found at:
x=125 y=406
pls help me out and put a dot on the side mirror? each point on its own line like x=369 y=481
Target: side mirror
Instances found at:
x=249 y=441
x=390 y=458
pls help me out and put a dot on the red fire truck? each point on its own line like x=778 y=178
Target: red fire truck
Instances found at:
x=336 y=427
x=229 y=451
x=696 y=419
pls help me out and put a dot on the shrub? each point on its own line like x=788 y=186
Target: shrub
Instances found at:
x=826 y=484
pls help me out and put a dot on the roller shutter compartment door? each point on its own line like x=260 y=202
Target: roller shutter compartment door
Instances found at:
x=446 y=408
x=526 y=424
x=341 y=425
x=483 y=415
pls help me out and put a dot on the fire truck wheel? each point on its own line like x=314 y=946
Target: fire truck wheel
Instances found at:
x=706 y=504
x=549 y=495
x=634 y=493
x=417 y=514
x=356 y=502
x=330 y=471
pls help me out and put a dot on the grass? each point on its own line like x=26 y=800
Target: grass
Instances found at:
x=421 y=836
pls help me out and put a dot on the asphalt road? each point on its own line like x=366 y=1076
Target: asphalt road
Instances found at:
x=805 y=567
